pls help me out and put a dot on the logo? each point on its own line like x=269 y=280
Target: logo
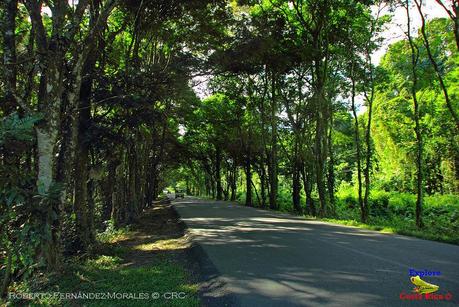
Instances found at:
x=424 y=290
x=423 y=287
x=413 y=272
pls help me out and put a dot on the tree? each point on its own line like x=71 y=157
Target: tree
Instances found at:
x=434 y=63
x=419 y=164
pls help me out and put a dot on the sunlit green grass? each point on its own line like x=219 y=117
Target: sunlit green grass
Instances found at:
x=402 y=228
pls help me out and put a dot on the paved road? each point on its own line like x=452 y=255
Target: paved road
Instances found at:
x=272 y=259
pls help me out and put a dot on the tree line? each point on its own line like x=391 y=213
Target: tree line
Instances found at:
x=301 y=107
x=90 y=100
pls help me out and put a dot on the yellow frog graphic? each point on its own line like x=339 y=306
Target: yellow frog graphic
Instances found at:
x=423 y=287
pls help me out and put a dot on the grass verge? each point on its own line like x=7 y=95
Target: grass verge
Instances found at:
x=119 y=273
x=400 y=228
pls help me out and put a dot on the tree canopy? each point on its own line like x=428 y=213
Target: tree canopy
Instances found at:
x=273 y=103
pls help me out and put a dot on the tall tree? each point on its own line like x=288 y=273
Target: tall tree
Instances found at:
x=414 y=88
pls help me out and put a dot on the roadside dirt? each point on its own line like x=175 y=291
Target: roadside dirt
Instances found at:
x=157 y=235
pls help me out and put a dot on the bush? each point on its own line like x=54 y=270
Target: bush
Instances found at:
x=402 y=204
x=397 y=211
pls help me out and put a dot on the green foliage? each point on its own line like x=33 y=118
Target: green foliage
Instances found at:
x=393 y=132
x=15 y=128
x=394 y=210
x=19 y=231
x=278 y=112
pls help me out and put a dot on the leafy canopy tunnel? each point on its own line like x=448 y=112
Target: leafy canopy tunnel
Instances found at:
x=277 y=104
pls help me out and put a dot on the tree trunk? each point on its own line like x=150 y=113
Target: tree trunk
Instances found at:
x=80 y=204
x=308 y=185
x=248 y=176
x=218 y=161
x=262 y=175
x=108 y=190
x=234 y=182
x=47 y=133
x=9 y=53
x=331 y=170
x=417 y=129
x=273 y=180
x=368 y=142
x=357 y=147
x=296 y=190
x=132 y=201
x=320 y=153
x=296 y=186
x=117 y=196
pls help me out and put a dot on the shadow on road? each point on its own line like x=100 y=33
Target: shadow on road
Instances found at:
x=270 y=259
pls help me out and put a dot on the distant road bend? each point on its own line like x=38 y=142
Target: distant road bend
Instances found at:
x=265 y=258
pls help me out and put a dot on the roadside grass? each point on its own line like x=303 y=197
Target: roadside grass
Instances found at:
x=111 y=269
x=354 y=223
x=169 y=244
x=394 y=212
x=401 y=227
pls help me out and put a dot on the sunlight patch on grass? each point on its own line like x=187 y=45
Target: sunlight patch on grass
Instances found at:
x=104 y=262
x=170 y=244
x=111 y=236
x=397 y=228
x=355 y=223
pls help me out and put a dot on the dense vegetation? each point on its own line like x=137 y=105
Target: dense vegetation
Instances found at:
x=278 y=104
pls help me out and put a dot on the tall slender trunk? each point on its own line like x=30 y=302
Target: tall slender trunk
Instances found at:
x=108 y=190
x=262 y=175
x=296 y=186
x=368 y=142
x=320 y=155
x=47 y=133
x=10 y=8
x=321 y=118
x=331 y=168
x=256 y=191
x=357 y=147
x=308 y=185
x=117 y=196
x=218 y=176
x=264 y=160
x=234 y=182
x=417 y=129
x=81 y=175
x=273 y=180
x=248 y=176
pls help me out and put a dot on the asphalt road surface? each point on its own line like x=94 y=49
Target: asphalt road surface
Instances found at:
x=262 y=258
